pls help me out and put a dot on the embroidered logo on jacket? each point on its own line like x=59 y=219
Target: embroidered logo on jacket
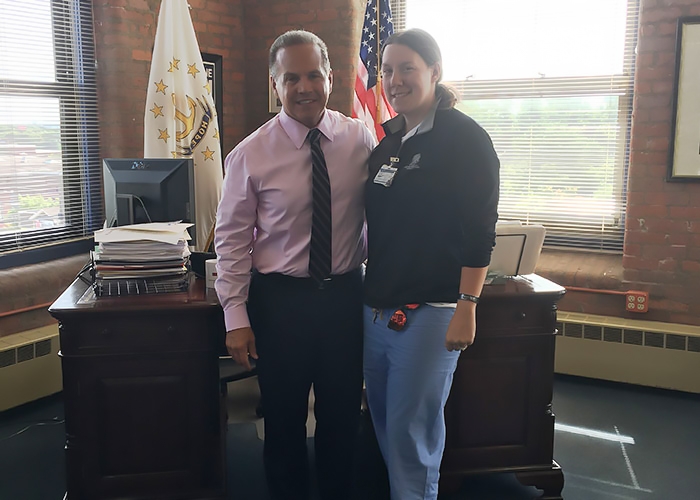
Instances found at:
x=414 y=163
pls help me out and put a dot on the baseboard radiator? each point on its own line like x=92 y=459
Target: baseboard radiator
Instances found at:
x=30 y=368
x=638 y=352
x=647 y=353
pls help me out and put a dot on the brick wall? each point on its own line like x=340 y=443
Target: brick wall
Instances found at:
x=239 y=30
x=337 y=22
x=124 y=35
x=662 y=239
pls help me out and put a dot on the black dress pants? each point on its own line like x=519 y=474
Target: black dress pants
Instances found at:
x=306 y=335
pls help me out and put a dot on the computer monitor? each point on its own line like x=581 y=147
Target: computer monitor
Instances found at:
x=139 y=190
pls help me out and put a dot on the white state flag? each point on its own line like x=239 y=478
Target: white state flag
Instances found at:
x=180 y=117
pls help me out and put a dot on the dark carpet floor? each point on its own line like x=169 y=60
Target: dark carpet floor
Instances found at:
x=662 y=464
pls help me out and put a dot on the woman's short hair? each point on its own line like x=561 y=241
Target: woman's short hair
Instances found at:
x=298 y=37
x=422 y=42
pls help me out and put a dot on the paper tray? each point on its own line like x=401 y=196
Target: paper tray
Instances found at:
x=517 y=249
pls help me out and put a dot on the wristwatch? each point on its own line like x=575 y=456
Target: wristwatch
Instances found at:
x=470 y=298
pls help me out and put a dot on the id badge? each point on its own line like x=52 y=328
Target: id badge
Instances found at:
x=385 y=176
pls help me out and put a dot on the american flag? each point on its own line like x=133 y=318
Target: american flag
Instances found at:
x=370 y=104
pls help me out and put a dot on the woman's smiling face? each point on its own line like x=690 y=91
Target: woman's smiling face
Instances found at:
x=409 y=83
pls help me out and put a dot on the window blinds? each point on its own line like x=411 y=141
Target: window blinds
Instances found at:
x=551 y=81
x=50 y=181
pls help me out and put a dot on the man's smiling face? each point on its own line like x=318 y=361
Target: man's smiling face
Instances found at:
x=302 y=82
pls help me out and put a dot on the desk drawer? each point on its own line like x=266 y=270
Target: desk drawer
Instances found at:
x=509 y=318
x=136 y=334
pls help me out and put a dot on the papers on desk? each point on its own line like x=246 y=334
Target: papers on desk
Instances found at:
x=159 y=232
x=141 y=251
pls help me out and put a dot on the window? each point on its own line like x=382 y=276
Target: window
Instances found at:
x=551 y=81
x=50 y=181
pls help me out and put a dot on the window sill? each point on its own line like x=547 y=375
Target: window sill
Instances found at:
x=47 y=253
x=581 y=269
x=594 y=275
x=27 y=286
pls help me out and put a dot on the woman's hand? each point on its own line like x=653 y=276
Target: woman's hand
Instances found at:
x=462 y=328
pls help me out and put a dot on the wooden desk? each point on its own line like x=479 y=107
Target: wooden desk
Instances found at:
x=141 y=394
x=499 y=413
x=143 y=412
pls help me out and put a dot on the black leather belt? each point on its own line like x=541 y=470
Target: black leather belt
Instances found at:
x=332 y=280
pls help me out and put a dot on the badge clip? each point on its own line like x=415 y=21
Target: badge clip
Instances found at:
x=385 y=176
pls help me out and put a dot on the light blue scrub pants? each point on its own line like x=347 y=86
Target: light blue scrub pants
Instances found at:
x=408 y=375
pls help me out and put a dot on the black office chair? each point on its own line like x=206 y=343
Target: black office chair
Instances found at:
x=230 y=371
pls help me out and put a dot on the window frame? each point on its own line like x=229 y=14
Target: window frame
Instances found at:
x=620 y=85
x=76 y=90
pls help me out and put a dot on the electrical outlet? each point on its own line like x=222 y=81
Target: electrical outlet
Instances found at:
x=637 y=301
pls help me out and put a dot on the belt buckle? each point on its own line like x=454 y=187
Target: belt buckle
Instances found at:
x=323 y=283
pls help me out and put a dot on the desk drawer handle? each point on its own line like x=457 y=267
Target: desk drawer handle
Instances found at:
x=520 y=315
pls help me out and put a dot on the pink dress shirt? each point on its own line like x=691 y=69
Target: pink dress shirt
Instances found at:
x=267 y=193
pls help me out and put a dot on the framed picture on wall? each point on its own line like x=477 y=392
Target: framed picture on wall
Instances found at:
x=274 y=104
x=212 y=67
x=684 y=150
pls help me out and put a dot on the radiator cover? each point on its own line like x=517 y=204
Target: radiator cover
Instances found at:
x=648 y=353
x=30 y=368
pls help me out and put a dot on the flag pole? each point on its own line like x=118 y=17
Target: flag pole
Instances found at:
x=210 y=239
x=378 y=88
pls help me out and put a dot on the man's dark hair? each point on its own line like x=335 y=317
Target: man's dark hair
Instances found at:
x=298 y=37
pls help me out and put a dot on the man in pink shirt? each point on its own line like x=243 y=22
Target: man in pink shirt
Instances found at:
x=289 y=240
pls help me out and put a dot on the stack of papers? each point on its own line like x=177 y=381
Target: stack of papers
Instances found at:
x=154 y=250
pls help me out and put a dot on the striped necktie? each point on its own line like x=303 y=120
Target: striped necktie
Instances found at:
x=320 y=248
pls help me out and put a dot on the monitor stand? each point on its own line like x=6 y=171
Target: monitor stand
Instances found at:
x=125 y=209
